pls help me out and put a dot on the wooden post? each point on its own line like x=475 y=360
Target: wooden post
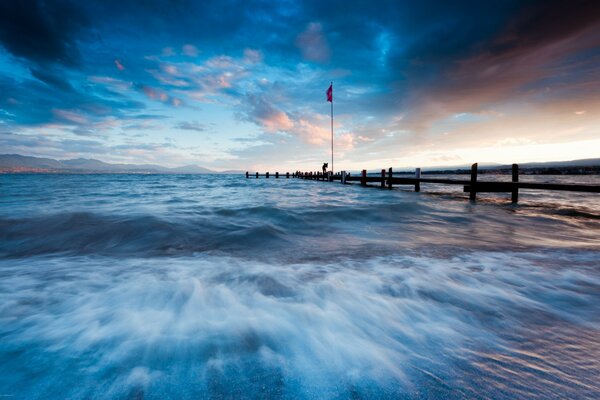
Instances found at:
x=277 y=175
x=473 y=191
x=418 y=176
x=257 y=175
x=363 y=178
x=515 y=179
x=267 y=175
x=247 y=175
x=382 y=178
x=343 y=179
x=287 y=175
x=390 y=178
x=330 y=176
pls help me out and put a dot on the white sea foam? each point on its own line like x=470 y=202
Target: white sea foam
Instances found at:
x=221 y=327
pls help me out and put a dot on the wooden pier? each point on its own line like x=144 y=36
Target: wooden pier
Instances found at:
x=472 y=186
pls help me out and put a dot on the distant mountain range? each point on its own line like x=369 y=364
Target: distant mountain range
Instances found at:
x=586 y=162
x=15 y=163
x=576 y=167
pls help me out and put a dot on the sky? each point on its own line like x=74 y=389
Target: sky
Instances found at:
x=241 y=84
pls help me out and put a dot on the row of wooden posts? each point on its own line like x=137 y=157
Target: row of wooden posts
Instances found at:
x=266 y=175
x=471 y=186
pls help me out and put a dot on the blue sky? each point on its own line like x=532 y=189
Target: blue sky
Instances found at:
x=241 y=84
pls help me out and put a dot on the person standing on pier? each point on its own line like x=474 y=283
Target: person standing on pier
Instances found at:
x=325 y=165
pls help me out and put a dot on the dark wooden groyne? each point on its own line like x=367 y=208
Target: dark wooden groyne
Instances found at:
x=472 y=186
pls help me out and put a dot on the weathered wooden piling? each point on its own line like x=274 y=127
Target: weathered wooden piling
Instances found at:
x=389 y=182
x=363 y=178
x=473 y=191
x=287 y=175
x=383 y=178
x=247 y=175
x=276 y=175
x=515 y=179
x=257 y=175
x=418 y=183
x=267 y=175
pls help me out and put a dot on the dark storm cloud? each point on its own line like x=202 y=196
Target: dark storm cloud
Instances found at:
x=545 y=22
x=422 y=37
x=42 y=31
x=541 y=47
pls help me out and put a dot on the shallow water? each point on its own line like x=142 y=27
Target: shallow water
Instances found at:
x=157 y=286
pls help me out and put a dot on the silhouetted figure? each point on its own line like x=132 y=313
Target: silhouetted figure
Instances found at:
x=325 y=165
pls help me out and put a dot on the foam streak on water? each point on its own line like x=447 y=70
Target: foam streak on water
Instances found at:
x=198 y=287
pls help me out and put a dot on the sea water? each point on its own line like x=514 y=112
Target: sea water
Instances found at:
x=188 y=286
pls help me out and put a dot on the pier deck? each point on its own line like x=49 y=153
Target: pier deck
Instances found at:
x=472 y=186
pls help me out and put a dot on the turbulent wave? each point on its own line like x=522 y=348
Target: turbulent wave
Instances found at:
x=185 y=287
x=215 y=326
x=269 y=231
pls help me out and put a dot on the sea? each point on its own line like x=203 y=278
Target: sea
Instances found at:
x=222 y=287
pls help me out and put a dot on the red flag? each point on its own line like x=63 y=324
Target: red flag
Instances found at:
x=330 y=93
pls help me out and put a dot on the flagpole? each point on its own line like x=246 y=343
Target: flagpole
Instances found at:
x=332 y=128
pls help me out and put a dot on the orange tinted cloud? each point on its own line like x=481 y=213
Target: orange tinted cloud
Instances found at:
x=119 y=65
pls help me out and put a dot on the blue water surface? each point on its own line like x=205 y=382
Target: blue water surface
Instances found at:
x=217 y=286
